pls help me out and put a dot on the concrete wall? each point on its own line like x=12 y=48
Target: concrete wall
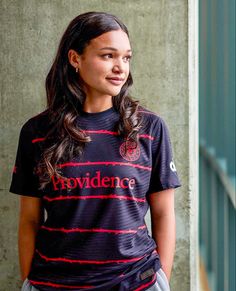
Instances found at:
x=161 y=40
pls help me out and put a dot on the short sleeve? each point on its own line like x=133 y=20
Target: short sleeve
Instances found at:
x=164 y=174
x=24 y=181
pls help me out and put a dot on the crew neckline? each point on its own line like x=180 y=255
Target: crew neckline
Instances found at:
x=100 y=114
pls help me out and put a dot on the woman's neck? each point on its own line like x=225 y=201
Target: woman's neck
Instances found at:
x=97 y=105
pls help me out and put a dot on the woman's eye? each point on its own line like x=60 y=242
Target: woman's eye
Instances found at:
x=107 y=56
x=127 y=58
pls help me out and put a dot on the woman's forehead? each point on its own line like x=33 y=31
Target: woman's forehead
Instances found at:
x=115 y=39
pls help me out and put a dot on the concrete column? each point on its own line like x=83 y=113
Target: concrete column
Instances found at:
x=163 y=37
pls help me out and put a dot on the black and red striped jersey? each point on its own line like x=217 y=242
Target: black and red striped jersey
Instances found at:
x=94 y=236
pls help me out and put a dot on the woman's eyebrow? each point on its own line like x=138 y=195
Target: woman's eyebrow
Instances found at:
x=113 y=49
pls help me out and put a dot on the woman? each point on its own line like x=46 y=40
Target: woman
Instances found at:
x=93 y=162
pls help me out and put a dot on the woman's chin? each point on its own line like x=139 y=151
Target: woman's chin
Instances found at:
x=114 y=92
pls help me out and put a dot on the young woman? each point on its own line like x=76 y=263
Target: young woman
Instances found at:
x=87 y=170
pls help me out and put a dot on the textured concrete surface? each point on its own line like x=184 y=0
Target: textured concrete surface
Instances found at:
x=30 y=33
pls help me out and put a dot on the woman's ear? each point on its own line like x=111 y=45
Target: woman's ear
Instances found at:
x=74 y=58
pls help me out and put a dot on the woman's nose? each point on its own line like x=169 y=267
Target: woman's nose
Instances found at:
x=118 y=67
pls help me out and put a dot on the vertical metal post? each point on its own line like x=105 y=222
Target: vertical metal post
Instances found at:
x=220 y=238
x=226 y=243
x=232 y=241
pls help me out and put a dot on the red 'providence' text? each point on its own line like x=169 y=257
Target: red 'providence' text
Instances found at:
x=92 y=182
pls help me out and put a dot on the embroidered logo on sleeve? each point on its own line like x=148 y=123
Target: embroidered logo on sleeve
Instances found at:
x=172 y=166
x=132 y=154
x=147 y=274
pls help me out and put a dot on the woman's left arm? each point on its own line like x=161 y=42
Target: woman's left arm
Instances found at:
x=163 y=227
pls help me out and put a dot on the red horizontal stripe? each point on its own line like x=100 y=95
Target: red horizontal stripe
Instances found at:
x=116 y=133
x=146 y=136
x=38 y=139
x=58 y=285
x=102 y=131
x=106 y=163
x=116 y=231
x=147 y=284
x=142 y=226
x=111 y=196
x=88 y=261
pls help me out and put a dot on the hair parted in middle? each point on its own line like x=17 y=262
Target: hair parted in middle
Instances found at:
x=65 y=96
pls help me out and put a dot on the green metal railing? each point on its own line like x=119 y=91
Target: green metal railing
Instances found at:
x=217 y=222
x=217 y=141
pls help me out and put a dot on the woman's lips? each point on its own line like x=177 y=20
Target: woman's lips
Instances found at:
x=115 y=81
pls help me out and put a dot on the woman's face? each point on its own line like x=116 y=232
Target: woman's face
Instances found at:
x=104 y=64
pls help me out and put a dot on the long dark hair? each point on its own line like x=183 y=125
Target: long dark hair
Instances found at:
x=65 y=96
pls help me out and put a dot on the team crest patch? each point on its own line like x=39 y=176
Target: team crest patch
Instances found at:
x=132 y=153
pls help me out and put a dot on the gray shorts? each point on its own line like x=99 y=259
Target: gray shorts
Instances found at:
x=27 y=286
x=160 y=285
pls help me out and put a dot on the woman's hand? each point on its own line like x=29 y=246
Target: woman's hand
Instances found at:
x=31 y=216
x=163 y=227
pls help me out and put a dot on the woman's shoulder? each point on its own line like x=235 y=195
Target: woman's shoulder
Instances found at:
x=36 y=123
x=148 y=116
x=152 y=122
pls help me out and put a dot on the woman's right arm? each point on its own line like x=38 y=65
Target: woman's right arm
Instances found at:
x=31 y=217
